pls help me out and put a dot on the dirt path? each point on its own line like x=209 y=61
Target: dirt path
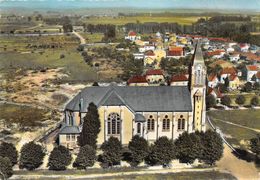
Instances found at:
x=241 y=169
x=82 y=40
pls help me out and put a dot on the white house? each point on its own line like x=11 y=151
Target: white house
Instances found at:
x=235 y=57
x=213 y=80
x=251 y=71
x=244 y=47
x=132 y=36
x=146 y=48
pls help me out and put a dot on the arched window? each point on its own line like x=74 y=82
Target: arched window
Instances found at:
x=181 y=123
x=150 y=123
x=113 y=124
x=138 y=128
x=166 y=123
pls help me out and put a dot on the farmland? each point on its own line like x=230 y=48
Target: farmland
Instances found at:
x=186 y=20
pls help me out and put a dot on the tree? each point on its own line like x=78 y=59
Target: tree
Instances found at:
x=254 y=101
x=8 y=150
x=162 y=152
x=112 y=152
x=91 y=127
x=139 y=149
x=189 y=147
x=212 y=147
x=66 y=24
x=210 y=101
x=225 y=100
x=86 y=157
x=257 y=86
x=59 y=158
x=240 y=99
x=255 y=145
x=132 y=67
x=6 y=170
x=31 y=156
x=248 y=87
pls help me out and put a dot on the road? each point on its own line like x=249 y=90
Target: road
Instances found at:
x=82 y=39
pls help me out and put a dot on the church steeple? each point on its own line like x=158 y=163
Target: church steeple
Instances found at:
x=198 y=74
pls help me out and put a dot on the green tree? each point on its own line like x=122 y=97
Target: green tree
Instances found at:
x=59 y=158
x=189 y=147
x=86 y=157
x=212 y=147
x=66 y=24
x=255 y=101
x=91 y=127
x=225 y=100
x=210 y=101
x=162 y=152
x=255 y=145
x=112 y=152
x=132 y=67
x=8 y=150
x=139 y=149
x=240 y=100
x=31 y=156
x=6 y=170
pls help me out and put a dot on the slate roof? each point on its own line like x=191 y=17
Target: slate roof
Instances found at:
x=136 y=98
x=69 y=130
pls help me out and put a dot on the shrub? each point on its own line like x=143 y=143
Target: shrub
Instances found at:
x=248 y=87
x=254 y=101
x=112 y=152
x=86 y=157
x=139 y=149
x=225 y=100
x=62 y=56
x=189 y=147
x=240 y=100
x=59 y=159
x=6 y=170
x=161 y=152
x=255 y=145
x=31 y=156
x=8 y=150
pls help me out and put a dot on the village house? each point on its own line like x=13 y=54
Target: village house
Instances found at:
x=234 y=57
x=147 y=47
x=138 y=80
x=148 y=111
x=216 y=93
x=226 y=72
x=244 y=47
x=234 y=82
x=217 y=54
x=132 y=36
x=212 y=80
x=149 y=58
x=179 y=80
x=155 y=76
x=175 y=52
x=250 y=71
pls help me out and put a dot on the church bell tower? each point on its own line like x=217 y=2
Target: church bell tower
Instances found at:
x=198 y=73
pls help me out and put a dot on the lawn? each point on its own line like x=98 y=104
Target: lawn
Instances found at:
x=237 y=135
x=72 y=64
x=142 y=19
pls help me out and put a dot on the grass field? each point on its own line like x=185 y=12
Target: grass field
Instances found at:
x=92 y=38
x=249 y=118
x=141 y=19
x=22 y=115
x=72 y=63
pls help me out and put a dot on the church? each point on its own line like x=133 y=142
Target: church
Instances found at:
x=147 y=111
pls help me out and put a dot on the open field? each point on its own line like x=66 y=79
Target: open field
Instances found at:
x=237 y=135
x=72 y=64
x=92 y=38
x=142 y=19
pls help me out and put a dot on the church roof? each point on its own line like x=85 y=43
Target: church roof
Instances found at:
x=136 y=98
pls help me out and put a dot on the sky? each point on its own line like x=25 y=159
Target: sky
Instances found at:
x=153 y=4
